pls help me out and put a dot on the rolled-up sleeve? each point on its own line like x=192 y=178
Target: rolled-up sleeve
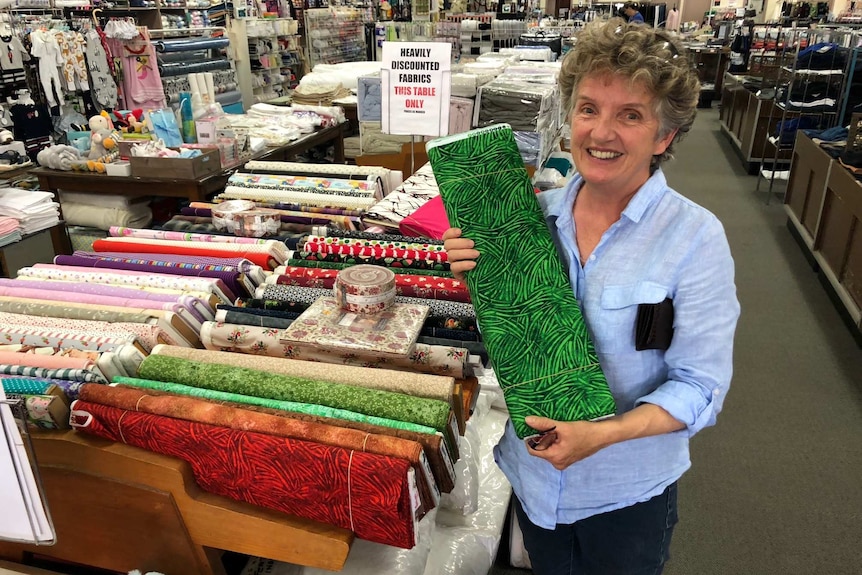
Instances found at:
x=700 y=358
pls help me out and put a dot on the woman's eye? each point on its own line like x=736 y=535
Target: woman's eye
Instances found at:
x=633 y=116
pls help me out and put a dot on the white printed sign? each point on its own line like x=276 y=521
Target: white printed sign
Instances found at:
x=415 y=88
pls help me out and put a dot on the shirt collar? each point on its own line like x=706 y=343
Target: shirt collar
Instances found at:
x=560 y=202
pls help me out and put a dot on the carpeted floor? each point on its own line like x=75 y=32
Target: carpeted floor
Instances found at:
x=776 y=486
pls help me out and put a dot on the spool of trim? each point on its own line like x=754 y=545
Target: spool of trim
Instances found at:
x=364 y=289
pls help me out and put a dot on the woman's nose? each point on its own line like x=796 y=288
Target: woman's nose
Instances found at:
x=603 y=128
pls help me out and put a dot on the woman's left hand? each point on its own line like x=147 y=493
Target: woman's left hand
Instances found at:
x=575 y=440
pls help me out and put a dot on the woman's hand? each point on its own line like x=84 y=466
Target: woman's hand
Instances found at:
x=575 y=440
x=462 y=256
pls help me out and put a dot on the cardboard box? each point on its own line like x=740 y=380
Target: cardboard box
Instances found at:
x=207 y=164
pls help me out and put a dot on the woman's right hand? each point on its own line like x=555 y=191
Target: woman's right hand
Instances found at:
x=460 y=251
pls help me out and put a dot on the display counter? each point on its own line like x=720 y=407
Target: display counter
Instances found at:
x=748 y=122
x=824 y=210
x=194 y=190
x=118 y=507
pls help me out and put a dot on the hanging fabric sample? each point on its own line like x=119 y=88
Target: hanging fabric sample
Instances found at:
x=533 y=309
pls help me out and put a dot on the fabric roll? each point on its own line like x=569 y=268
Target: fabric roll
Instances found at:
x=334 y=186
x=230 y=280
x=374 y=251
x=261 y=254
x=439 y=457
x=271 y=305
x=306 y=295
x=243 y=318
x=437 y=360
x=94 y=313
x=413 y=244
x=191 y=44
x=428 y=221
x=298 y=197
x=99 y=290
x=65 y=338
x=46 y=361
x=565 y=382
x=307 y=216
x=79 y=375
x=200 y=411
x=12 y=383
x=56 y=296
x=364 y=235
x=111 y=334
x=389 y=262
x=285 y=315
x=364 y=289
x=287 y=406
x=366 y=493
x=416 y=384
x=421 y=411
x=128 y=278
x=313 y=262
x=408 y=285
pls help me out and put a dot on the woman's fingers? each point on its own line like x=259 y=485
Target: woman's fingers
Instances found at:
x=460 y=251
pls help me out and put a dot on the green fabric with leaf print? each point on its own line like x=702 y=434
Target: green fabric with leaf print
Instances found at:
x=418 y=410
x=291 y=406
x=531 y=323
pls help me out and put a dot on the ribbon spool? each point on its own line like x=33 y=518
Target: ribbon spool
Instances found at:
x=364 y=289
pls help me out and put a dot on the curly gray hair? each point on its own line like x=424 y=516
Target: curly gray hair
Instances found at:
x=648 y=56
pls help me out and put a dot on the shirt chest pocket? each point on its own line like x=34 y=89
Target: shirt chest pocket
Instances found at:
x=614 y=327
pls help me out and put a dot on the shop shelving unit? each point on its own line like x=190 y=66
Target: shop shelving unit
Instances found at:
x=334 y=35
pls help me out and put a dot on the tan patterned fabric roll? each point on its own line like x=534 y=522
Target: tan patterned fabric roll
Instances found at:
x=416 y=384
x=364 y=289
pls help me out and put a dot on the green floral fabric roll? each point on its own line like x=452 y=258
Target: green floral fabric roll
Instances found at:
x=531 y=322
x=419 y=410
x=291 y=406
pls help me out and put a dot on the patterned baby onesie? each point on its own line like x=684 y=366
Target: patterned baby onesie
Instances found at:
x=104 y=87
x=44 y=46
x=74 y=68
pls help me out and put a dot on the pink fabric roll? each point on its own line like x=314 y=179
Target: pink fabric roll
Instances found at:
x=46 y=361
x=118 y=231
x=62 y=297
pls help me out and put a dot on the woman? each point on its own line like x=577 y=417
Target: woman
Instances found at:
x=600 y=497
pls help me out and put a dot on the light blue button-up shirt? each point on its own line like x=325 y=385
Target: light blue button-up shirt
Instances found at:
x=662 y=246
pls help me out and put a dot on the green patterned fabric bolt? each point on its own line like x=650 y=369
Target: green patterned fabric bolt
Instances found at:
x=531 y=322
x=418 y=410
x=289 y=406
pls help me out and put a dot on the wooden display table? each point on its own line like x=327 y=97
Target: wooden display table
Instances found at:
x=193 y=190
x=119 y=508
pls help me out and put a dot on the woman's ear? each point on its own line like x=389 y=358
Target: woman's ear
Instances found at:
x=663 y=143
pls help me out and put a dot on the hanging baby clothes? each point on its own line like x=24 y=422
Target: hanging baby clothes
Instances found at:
x=74 y=68
x=673 y=20
x=32 y=126
x=12 y=57
x=142 y=83
x=103 y=85
x=45 y=48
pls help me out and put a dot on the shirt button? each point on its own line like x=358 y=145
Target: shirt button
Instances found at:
x=592 y=258
x=716 y=392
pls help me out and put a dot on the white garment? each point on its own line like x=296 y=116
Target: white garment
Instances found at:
x=13 y=53
x=672 y=20
x=104 y=87
x=45 y=47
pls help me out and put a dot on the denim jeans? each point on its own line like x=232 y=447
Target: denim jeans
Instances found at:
x=633 y=540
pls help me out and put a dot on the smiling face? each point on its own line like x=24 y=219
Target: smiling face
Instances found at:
x=615 y=133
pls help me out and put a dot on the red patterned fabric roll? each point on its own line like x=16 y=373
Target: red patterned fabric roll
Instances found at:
x=364 y=289
x=366 y=493
x=409 y=285
x=375 y=251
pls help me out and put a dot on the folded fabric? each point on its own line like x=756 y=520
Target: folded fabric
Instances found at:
x=101 y=217
x=366 y=493
x=534 y=309
x=429 y=221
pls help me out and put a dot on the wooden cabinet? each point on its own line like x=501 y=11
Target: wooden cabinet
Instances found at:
x=824 y=209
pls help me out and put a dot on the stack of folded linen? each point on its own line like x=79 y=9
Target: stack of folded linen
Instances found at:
x=34 y=211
